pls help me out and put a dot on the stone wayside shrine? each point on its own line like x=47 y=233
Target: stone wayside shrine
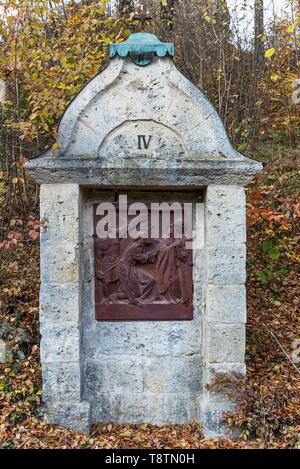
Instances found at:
x=133 y=329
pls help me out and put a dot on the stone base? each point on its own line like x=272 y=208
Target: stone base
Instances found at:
x=212 y=418
x=79 y=416
x=154 y=409
x=72 y=415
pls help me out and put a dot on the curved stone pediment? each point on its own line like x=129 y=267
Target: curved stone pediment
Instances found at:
x=143 y=118
x=156 y=93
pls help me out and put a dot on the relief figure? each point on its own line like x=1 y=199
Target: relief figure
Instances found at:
x=134 y=283
x=171 y=271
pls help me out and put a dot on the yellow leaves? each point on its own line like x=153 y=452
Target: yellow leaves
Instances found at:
x=263 y=38
x=274 y=77
x=11 y=20
x=12 y=292
x=208 y=19
x=164 y=3
x=291 y=28
x=55 y=146
x=276 y=368
x=63 y=62
x=270 y=52
x=78 y=49
x=294 y=256
x=30 y=41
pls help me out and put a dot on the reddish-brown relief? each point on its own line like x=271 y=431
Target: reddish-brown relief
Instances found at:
x=144 y=279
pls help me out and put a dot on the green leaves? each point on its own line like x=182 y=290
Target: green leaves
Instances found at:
x=274 y=254
x=262 y=277
x=270 y=249
x=265 y=275
x=267 y=245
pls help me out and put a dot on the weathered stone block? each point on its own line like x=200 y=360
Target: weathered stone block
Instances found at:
x=59 y=198
x=60 y=263
x=114 y=374
x=213 y=421
x=220 y=372
x=60 y=343
x=173 y=374
x=226 y=303
x=225 y=215
x=60 y=208
x=156 y=409
x=214 y=369
x=225 y=196
x=225 y=343
x=60 y=227
x=61 y=381
x=144 y=339
x=226 y=264
x=73 y=415
x=59 y=303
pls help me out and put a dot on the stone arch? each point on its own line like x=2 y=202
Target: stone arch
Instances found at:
x=142 y=137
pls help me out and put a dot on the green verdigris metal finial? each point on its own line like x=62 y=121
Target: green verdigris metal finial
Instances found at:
x=141 y=47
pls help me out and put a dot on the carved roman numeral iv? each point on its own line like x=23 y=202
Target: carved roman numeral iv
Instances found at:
x=143 y=142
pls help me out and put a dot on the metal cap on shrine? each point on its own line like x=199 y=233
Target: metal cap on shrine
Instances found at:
x=141 y=47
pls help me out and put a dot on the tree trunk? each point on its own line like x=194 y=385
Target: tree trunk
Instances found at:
x=258 y=30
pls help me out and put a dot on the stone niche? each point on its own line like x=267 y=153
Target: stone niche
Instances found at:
x=140 y=128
